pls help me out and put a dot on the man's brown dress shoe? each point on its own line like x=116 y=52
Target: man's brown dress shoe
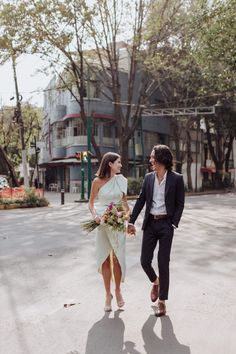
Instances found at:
x=154 y=292
x=160 y=310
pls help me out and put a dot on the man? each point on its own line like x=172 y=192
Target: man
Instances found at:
x=163 y=193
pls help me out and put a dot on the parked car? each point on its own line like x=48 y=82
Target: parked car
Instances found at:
x=3 y=182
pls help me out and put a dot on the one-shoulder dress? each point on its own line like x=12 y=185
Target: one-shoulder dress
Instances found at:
x=108 y=240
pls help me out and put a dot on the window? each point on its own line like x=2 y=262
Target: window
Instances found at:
x=81 y=128
x=150 y=139
x=95 y=129
x=107 y=131
x=59 y=132
x=75 y=131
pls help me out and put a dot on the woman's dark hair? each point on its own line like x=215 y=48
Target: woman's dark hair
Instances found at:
x=104 y=168
x=163 y=155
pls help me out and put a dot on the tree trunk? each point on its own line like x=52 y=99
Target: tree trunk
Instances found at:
x=10 y=167
x=178 y=155
x=218 y=178
x=189 y=162
x=124 y=151
x=96 y=149
x=228 y=153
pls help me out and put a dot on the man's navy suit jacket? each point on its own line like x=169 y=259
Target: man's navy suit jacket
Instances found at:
x=174 y=198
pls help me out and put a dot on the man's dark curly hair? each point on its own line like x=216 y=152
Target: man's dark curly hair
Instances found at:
x=163 y=155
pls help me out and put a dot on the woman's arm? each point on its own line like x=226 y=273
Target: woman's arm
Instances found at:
x=125 y=203
x=93 y=195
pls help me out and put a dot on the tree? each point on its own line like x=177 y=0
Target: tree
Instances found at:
x=60 y=30
x=215 y=53
x=175 y=70
x=7 y=168
x=13 y=43
x=58 y=35
x=195 y=65
x=220 y=132
x=112 y=22
x=9 y=132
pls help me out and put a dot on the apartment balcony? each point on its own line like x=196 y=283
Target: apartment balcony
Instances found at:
x=95 y=105
x=76 y=140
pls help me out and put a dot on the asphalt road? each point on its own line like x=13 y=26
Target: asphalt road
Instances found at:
x=46 y=261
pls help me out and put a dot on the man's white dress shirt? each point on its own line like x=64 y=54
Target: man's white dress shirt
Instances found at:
x=158 y=199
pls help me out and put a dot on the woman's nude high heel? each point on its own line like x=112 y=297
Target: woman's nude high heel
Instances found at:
x=107 y=307
x=120 y=301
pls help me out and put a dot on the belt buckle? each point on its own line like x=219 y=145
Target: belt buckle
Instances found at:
x=159 y=217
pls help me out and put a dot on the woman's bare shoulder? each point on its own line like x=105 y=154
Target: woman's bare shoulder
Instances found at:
x=98 y=182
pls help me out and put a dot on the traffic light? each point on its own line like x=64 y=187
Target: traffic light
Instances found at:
x=85 y=156
x=82 y=156
x=78 y=155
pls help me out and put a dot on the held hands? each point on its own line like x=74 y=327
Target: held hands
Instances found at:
x=97 y=219
x=131 y=230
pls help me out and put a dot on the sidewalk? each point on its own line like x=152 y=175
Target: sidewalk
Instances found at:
x=55 y=197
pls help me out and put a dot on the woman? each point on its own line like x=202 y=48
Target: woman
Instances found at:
x=109 y=186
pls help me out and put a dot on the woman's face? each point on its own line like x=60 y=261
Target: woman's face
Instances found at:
x=116 y=165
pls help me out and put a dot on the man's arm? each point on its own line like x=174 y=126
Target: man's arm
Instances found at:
x=139 y=203
x=179 y=201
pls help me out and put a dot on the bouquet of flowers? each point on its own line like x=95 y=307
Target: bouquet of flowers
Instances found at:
x=114 y=217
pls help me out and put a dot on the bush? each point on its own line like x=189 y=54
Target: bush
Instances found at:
x=134 y=185
x=30 y=200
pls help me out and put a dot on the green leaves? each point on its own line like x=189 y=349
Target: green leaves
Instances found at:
x=9 y=129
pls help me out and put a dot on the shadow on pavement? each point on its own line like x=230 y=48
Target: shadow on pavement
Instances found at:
x=168 y=344
x=106 y=335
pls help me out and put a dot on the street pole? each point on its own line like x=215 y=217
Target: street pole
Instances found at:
x=89 y=123
x=21 y=124
x=89 y=132
x=134 y=156
x=62 y=186
x=142 y=144
x=36 y=158
x=82 y=176
x=196 y=171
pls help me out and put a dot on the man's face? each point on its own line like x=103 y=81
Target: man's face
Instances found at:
x=152 y=160
x=154 y=164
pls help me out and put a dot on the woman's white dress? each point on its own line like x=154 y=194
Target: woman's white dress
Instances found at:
x=108 y=240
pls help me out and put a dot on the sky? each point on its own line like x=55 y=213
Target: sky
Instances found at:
x=30 y=82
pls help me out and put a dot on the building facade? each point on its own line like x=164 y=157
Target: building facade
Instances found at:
x=64 y=135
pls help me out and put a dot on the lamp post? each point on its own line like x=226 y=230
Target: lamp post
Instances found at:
x=89 y=132
x=134 y=156
x=89 y=123
x=197 y=151
x=82 y=176
x=142 y=144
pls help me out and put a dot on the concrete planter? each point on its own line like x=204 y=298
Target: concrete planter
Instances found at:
x=18 y=206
